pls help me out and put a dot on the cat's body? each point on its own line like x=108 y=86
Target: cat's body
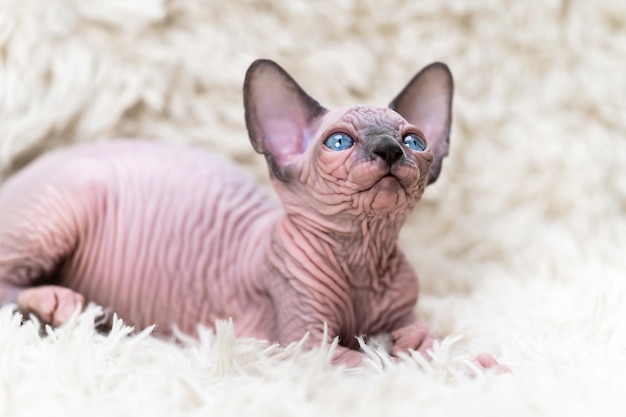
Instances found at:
x=158 y=233
x=173 y=235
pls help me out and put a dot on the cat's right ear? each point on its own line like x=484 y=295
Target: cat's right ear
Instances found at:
x=281 y=117
x=426 y=102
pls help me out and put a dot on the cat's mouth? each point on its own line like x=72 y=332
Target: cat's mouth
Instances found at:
x=398 y=178
x=387 y=182
x=386 y=191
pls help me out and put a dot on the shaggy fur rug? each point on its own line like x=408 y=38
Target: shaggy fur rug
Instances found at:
x=520 y=245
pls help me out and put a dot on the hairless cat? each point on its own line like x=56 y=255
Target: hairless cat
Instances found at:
x=177 y=236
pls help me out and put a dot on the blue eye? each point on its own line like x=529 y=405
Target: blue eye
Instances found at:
x=413 y=141
x=339 y=142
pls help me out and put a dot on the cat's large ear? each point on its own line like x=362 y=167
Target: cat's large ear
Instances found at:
x=280 y=116
x=426 y=102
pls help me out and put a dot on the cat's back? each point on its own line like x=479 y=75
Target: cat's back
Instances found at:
x=149 y=184
x=143 y=220
x=138 y=169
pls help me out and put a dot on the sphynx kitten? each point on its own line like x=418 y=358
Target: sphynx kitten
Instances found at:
x=173 y=235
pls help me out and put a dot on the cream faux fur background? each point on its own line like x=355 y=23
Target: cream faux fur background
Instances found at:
x=520 y=244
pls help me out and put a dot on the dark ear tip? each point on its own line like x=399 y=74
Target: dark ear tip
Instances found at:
x=438 y=64
x=254 y=67
x=261 y=64
x=440 y=67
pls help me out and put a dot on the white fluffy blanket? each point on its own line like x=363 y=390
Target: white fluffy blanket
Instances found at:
x=520 y=245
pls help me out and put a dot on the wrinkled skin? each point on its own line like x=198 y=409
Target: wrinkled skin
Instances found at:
x=176 y=236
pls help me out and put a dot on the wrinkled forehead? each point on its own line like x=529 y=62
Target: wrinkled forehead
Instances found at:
x=368 y=120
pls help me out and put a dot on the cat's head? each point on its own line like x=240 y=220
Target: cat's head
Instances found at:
x=361 y=160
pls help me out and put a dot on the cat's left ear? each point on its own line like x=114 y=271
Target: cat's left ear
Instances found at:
x=426 y=102
x=281 y=117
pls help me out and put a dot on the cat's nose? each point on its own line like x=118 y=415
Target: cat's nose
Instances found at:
x=387 y=149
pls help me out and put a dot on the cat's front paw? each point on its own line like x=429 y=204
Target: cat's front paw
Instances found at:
x=416 y=336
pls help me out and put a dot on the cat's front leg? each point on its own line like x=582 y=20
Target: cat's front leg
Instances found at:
x=322 y=334
x=318 y=329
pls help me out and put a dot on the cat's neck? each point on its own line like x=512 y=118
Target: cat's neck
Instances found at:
x=360 y=251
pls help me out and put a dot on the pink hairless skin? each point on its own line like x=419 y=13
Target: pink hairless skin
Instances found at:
x=177 y=236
